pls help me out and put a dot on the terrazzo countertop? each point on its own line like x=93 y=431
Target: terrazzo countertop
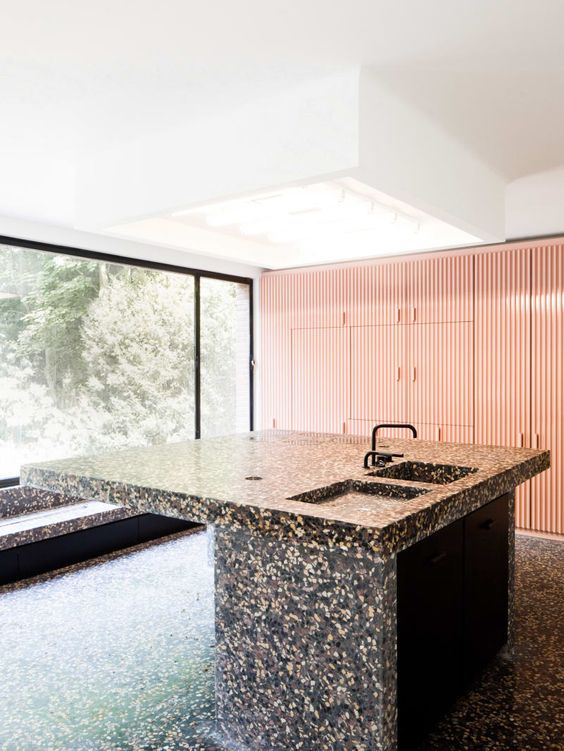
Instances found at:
x=309 y=485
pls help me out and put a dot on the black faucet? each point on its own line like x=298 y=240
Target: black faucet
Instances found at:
x=385 y=456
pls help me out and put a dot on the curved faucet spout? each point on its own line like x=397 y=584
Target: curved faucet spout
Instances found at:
x=374 y=453
x=396 y=425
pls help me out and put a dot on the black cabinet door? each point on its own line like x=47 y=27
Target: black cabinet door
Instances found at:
x=9 y=566
x=486 y=541
x=430 y=602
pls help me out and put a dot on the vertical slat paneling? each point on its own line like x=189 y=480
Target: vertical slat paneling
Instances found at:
x=547 y=493
x=378 y=355
x=447 y=433
x=319 y=390
x=492 y=289
x=502 y=374
x=440 y=373
x=319 y=298
x=377 y=294
x=441 y=289
x=275 y=365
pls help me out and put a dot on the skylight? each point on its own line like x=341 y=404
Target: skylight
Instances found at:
x=323 y=222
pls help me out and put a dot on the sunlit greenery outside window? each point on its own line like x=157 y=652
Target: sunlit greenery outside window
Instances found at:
x=97 y=355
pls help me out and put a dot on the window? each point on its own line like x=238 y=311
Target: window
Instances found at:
x=225 y=356
x=97 y=354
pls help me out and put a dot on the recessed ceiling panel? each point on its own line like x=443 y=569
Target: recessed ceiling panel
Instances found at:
x=323 y=222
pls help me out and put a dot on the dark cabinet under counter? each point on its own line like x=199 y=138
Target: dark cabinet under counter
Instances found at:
x=486 y=591
x=452 y=614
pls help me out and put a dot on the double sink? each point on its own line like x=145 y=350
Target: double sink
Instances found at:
x=352 y=491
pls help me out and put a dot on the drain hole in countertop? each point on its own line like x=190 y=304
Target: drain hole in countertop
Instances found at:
x=253 y=477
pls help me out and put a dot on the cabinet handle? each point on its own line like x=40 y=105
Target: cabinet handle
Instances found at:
x=434 y=559
x=414 y=314
x=414 y=374
x=488 y=524
x=521 y=440
x=537 y=440
x=398 y=315
x=398 y=374
x=438 y=433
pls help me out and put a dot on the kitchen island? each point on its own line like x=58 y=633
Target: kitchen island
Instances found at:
x=336 y=586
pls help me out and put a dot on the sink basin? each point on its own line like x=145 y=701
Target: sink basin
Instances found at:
x=439 y=474
x=349 y=490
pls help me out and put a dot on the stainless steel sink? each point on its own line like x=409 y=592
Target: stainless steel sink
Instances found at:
x=439 y=474
x=348 y=488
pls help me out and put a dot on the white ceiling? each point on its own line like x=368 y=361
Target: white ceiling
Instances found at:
x=77 y=79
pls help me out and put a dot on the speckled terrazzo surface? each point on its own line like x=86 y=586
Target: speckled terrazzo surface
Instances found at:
x=24 y=516
x=21 y=500
x=205 y=481
x=62 y=690
x=306 y=647
x=113 y=656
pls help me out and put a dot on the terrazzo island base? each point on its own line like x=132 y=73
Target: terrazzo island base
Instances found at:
x=311 y=553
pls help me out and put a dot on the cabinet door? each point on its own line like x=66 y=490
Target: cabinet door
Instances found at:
x=318 y=298
x=440 y=373
x=378 y=373
x=486 y=544
x=441 y=289
x=275 y=363
x=547 y=490
x=502 y=368
x=319 y=379
x=430 y=592
x=447 y=433
x=377 y=295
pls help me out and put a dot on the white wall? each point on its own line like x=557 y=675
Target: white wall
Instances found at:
x=535 y=205
x=406 y=154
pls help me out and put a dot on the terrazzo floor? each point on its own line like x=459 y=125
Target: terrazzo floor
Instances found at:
x=111 y=656
x=117 y=655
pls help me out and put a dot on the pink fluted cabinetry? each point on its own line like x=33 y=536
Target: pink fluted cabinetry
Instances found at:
x=304 y=345
x=547 y=407
x=502 y=382
x=319 y=379
x=468 y=347
x=412 y=346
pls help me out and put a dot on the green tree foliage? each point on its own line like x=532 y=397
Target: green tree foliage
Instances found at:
x=138 y=341
x=95 y=356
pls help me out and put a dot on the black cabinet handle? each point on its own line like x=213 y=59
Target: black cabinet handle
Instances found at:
x=488 y=524
x=434 y=559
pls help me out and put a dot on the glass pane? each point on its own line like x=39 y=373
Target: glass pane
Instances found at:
x=93 y=356
x=225 y=343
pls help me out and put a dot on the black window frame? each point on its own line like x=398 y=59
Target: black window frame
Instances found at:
x=197 y=274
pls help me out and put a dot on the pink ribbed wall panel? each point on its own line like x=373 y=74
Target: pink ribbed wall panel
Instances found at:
x=319 y=379
x=502 y=375
x=319 y=299
x=430 y=432
x=440 y=289
x=377 y=294
x=373 y=315
x=547 y=420
x=364 y=427
x=275 y=366
x=378 y=373
x=440 y=374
